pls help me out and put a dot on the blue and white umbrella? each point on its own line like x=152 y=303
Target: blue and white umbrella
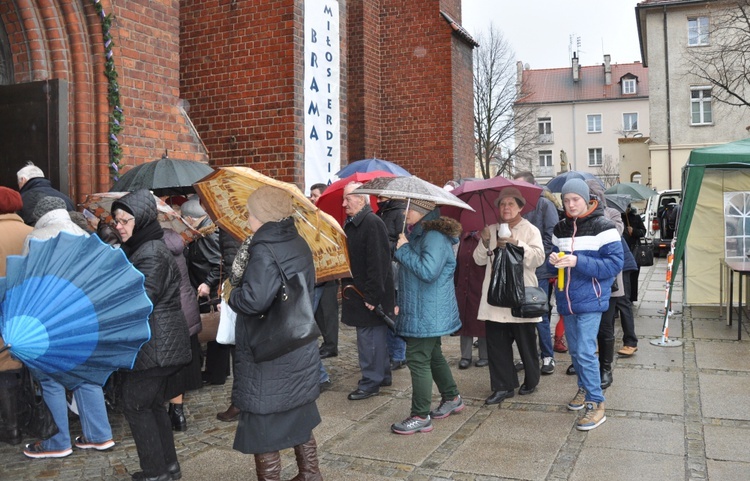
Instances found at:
x=74 y=308
x=370 y=165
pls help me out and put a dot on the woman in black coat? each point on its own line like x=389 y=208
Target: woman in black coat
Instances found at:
x=144 y=388
x=276 y=398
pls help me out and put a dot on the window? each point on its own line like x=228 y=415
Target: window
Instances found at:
x=594 y=123
x=545 y=158
x=545 y=130
x=736 y=224
x=629 y=122
x=698 y=31
x=628 y=86
x=700 y=106
x=595 y=157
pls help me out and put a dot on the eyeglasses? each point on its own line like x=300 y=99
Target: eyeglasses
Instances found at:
x=124 y=221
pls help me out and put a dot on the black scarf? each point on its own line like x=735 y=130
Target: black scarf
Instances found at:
x=150 y=231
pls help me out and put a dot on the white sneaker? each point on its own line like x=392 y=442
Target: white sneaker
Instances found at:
x=548 y=365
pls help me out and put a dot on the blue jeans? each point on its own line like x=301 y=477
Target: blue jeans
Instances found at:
x=542 y=328
x=396 y=347
x=581 y=331
x=91 y=409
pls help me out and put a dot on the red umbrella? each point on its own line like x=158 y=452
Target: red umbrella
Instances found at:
x=330 y=201
x=481 y=195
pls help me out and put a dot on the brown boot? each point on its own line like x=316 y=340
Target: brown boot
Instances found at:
x=307 y=461
x=231 y=414
x=268 y=466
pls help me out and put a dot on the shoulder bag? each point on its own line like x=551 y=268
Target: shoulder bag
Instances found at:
x=534 y=304
x=289 y=323
x=644 y=252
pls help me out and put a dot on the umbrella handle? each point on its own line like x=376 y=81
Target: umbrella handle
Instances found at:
x=354 y=288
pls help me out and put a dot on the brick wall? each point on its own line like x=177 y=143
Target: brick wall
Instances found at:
x=242 y=78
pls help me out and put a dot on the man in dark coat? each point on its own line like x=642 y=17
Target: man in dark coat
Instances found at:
x=370 y=255
x=392 y=213
x=34 y=187
x=634 y=231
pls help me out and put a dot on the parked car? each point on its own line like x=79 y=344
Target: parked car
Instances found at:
x=660 y=218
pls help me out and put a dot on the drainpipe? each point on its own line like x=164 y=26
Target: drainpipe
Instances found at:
x=575 y=144
x=669 y=116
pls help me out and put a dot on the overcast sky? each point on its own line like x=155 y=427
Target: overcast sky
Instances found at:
x=539 y=30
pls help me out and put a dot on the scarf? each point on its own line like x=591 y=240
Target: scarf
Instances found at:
x=150 y=231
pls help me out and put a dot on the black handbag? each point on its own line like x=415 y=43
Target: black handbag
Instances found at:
x=644 y=252
x=534 y=304
x=35 y=418
x=506 y=283
x=289 y=323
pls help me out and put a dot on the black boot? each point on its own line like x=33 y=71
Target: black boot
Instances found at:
x=606 y=356
x=9 y=432
x=177 y=415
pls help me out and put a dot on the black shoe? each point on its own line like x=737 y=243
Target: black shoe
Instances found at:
x=358 y=395
x=571 y=371
x=386 y=382
x=325 y=385
x=177 y=416
x=498 y=397
x=523 y=390
x=519 y=366
x=139 y=476
x=482 y=363
x=395 y=365
x=326 y=353
x=174 y=471
x=464 y=363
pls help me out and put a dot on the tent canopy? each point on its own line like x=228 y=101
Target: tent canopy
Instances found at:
x=731 y=156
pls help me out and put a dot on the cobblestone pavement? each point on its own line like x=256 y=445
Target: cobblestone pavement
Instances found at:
x=677 y=413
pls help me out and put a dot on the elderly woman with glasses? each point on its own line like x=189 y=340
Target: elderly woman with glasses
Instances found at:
x=144 y=388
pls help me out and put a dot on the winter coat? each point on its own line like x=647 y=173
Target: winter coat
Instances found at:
x=530 y=239
x=598 y=247
x=544 y=217
x=170 y=341
x=228 y=246
x=468 y=281
x=427 y=297
x=50 y=225
x=639 y=230
x=203 y=257
x=188 y=301
x=14 y=232
x=392 y=212
x=35 y=190
x=291 y=380
x=370 y=263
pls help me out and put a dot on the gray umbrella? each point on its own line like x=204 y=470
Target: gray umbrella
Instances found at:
x=618 y=202
x=411 y=188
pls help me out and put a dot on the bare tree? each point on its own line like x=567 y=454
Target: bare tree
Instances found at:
x=499 y=134
x=724 y=62
x=609 y=171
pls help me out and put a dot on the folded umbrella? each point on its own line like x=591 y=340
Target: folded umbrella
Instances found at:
x=74 y=308
x=378 y=309
x=481 y=196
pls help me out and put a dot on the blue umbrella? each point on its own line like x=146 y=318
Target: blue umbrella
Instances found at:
x=556 y=184
x=368 y=165
x=74 y=308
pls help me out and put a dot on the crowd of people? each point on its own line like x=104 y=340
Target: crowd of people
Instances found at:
x=408 y=263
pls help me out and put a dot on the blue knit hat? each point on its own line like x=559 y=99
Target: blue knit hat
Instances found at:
x=576 y=186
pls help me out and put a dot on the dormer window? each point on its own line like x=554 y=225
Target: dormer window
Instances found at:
x=628 y=86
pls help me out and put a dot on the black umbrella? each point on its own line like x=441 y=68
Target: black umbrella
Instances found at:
x=164 y=177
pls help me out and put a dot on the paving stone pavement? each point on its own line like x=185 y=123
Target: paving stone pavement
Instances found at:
x=679 y=413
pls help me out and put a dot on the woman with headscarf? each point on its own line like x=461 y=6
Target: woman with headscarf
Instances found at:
x=276 y=398
x=502 y=328
x=144 y=388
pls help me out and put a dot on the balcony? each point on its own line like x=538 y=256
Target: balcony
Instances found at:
x=546 y=171
x=546 y=138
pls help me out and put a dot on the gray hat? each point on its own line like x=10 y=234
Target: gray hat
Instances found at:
x=192 y=208
x=576 y=186
x=48 y=204
x=423 y=207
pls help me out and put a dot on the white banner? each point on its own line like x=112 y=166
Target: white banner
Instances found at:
x=322 y=85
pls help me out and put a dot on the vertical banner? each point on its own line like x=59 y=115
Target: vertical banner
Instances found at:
x=322 y=85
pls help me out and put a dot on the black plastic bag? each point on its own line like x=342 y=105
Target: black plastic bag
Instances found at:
x=35 y=418
x=506 y=284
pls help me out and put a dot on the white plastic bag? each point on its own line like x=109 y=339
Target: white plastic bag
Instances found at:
x=227 y=321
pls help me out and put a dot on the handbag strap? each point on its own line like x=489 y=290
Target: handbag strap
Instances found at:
x=284 y=278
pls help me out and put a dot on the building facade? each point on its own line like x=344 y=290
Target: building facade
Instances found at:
x=223 y=82
x=581 y=113
x=684 y=113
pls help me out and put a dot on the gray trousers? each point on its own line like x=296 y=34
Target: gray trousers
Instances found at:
x=374 y=363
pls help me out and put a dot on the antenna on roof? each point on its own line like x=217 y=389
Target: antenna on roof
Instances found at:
x=571 y=52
